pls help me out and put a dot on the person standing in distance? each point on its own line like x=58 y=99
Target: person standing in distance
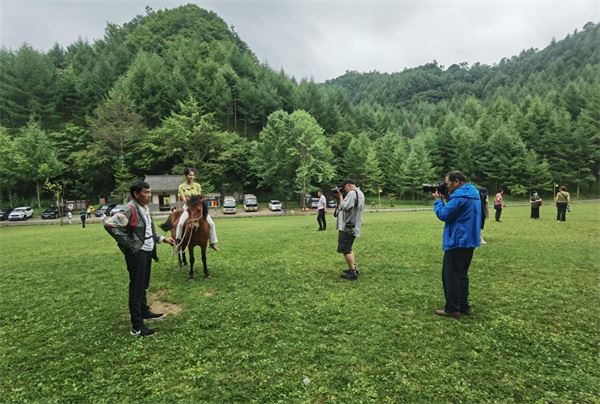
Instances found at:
x=461 y=212
x=136 y=237
x=349 y=219
x=321 y=211
x=563 y=199
x=499 y=203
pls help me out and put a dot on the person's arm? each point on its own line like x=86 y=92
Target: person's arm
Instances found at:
x=180 y=194
x=448 y=211
x=116 y=226
x=349 y=200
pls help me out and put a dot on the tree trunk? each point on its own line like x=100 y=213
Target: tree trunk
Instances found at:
x=37 y=189
x=10 y=201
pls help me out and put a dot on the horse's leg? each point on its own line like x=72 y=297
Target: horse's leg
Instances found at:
x=191 y=273
x=184 y=259
x=181 y=259
x=203 y=248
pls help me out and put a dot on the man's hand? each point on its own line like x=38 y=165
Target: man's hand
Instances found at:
x=436 y=194
x=169 y=240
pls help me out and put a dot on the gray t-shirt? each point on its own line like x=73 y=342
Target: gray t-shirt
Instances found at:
x=350 y=212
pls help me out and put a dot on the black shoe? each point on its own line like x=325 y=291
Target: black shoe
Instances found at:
x=142 y=332
x=152 y=316
x=350 y=270
x=351 y=275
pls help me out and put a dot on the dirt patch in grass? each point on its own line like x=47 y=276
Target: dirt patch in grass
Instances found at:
x=155 y=300
x=158 y=305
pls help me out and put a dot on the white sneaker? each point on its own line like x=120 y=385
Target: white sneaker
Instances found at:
x=483 y=241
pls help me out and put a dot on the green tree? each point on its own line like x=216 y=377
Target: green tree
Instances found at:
x=36 y=158
x=292 y=154
x=9 y=174
x=417 y=168
x=117 y=132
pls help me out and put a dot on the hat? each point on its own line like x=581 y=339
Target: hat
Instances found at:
x=346 y=182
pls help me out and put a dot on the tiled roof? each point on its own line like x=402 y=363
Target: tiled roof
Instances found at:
x=164 y=183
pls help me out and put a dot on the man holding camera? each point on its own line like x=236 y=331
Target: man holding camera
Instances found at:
x=459 y=206
x=349 y=219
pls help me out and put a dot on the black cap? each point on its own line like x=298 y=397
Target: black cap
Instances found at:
x=346 y=182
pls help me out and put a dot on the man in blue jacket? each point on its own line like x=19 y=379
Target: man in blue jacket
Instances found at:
x=461 y=213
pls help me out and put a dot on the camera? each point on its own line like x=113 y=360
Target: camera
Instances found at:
x=337 y=189
x=439 y=187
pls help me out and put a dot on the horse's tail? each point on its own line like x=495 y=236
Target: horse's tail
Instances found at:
x=168 y=225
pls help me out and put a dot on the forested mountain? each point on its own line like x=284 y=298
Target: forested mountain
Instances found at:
x=178 y=87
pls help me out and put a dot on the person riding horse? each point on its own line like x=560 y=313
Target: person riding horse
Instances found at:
x=195 y=231
x=187 y=190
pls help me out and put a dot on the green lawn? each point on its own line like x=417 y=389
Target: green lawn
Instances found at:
x=275 y=311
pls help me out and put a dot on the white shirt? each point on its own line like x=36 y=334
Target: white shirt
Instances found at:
x=322 y=202
x=148 y=237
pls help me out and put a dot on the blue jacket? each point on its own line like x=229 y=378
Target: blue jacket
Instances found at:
x=462 y=214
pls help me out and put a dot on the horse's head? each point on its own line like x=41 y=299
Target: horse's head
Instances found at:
x=197 y=207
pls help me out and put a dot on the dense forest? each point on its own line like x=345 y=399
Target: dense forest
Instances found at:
x=178 y=87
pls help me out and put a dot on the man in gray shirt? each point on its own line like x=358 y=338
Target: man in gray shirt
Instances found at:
x=349 y=220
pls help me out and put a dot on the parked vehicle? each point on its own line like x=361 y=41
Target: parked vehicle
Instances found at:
x=4 y=213
x=51 y=213
x=314 y=203
x=115 y=210
x=105 y=209
x=274 y=205
x=229 y=205
x=250 y=203
x=21 y=213
x=331 y=203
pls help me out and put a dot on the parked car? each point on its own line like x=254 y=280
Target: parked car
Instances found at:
x=331 y=203
x=229 y=205
x=104 y=209
x=21 y=213
x=4 y=213
x=51 y=213
x=115 y=210
x=274 y=205
x=314 y=203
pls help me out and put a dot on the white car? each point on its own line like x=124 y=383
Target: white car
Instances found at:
x=274 y=205
x=314 y=203
x=22 y=213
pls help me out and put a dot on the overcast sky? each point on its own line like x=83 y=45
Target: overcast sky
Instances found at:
x=323 y=39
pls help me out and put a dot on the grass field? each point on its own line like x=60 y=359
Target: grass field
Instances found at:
x=275 y=311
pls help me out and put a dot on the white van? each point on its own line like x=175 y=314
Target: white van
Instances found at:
x=229 y=204
x=250 y=203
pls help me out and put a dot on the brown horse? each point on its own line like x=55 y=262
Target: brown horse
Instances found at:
x=195 y=231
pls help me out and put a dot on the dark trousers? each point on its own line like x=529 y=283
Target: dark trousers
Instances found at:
x=455 y=279
x=535 y=212
x=138 y=266
x=321 y=219
x=498 y=212
x=561 y=211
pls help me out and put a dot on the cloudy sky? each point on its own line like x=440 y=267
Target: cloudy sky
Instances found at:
x=323 y=39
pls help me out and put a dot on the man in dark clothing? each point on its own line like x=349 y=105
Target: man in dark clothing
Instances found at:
x=321 y=211
x=461 y=213
x=136 y=237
